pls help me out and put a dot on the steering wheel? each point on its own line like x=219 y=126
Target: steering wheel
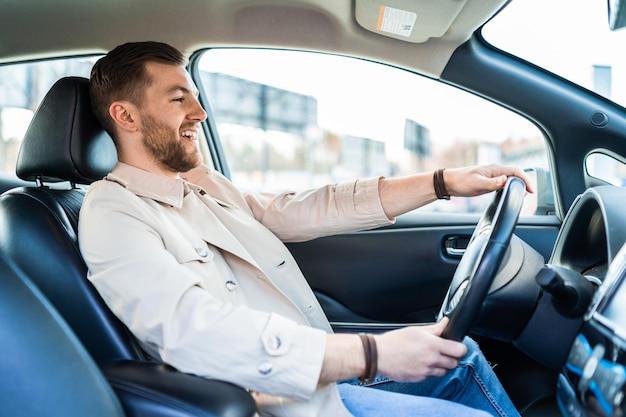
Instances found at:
x=482 y=259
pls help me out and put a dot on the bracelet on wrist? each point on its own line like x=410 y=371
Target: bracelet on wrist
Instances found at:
x=371 y=358
x=440 y=186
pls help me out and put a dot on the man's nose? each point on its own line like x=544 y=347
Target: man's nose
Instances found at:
x=198 y=112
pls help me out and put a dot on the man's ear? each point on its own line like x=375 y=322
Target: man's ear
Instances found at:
x=122 y=113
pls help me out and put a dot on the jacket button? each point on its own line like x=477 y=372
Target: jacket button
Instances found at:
x=275 y=343
x=231 y=285
x=265 y=368
x=202 y=252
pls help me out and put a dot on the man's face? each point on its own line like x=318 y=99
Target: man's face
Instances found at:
x=170 y=118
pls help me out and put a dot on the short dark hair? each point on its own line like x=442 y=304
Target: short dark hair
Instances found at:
x=121 y=75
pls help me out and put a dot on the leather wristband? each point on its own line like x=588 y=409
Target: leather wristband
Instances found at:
x=371 y=358
x=440 y=186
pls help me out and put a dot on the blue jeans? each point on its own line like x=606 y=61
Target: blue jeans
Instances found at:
x=471 y=389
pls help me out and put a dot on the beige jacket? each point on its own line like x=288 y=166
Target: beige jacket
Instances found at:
x=199 y=273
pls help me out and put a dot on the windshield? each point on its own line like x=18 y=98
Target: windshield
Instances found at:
x=570 y=38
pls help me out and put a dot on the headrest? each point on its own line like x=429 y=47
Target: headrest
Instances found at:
x=65 y=141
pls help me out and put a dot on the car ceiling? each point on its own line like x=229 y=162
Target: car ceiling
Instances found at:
x=34 y=29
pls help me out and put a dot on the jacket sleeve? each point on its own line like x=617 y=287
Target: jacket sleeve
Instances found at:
x=166 y=305
x=305 y=215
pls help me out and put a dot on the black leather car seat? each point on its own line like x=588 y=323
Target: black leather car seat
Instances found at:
x=38 y=225
x=44 y=370
x=64 y=150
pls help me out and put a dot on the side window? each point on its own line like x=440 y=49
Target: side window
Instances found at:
x=606 y=168
x=22 y=87
x=296 y=120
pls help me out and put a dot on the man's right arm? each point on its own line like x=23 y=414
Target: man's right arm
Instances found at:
x=410 y=354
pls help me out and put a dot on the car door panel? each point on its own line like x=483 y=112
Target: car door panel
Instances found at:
x=398 y=274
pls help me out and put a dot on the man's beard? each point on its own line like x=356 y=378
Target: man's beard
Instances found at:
x=165 y=145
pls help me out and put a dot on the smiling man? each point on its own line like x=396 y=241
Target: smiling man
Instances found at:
x=199 y=273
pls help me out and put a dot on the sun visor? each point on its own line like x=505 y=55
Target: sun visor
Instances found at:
x=408 y=20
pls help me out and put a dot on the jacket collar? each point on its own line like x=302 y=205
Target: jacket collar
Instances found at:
x=172 y=191
x=146 y=184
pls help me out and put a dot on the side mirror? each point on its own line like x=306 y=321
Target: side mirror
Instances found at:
x=542 y=201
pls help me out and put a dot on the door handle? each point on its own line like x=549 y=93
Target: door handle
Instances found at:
x=455 y=246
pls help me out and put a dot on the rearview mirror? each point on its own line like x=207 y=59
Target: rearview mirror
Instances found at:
x=617 y=14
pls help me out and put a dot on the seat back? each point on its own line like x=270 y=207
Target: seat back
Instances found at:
x=44 y=370
x=64 y=146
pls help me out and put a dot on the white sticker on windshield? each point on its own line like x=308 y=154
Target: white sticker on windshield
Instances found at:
x=396 y=21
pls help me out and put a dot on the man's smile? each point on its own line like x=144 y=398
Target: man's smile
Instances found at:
x=190 y=134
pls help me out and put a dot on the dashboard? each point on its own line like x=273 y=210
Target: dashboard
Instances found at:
x=591 y=242
x=593 y=232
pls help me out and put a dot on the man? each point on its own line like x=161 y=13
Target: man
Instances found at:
x=197 y=270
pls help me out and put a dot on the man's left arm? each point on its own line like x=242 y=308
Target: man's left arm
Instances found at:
x=305 y=215
x=351 y=206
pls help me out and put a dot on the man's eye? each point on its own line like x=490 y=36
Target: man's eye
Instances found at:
x=179 y=99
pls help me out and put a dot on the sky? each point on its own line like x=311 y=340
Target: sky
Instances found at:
x=566 y=36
